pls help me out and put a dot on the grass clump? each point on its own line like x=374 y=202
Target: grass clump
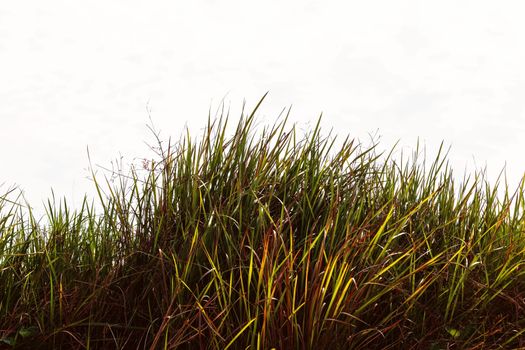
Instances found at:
x=268 y=239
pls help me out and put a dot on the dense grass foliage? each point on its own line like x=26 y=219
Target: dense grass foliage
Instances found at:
x=269 y=239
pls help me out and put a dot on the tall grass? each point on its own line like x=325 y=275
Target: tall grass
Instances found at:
x=269 y=239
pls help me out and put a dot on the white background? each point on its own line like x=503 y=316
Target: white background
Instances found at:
x=78 y=74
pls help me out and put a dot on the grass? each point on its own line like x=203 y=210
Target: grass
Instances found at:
x=269 y=239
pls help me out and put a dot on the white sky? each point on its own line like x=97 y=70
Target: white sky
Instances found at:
x=83 y=73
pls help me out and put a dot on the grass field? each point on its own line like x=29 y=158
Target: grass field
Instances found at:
x=266 y=238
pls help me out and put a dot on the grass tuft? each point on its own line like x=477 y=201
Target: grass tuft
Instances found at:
x=269 y=239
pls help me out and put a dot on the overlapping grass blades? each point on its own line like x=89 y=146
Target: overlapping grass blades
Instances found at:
x=269 y=239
